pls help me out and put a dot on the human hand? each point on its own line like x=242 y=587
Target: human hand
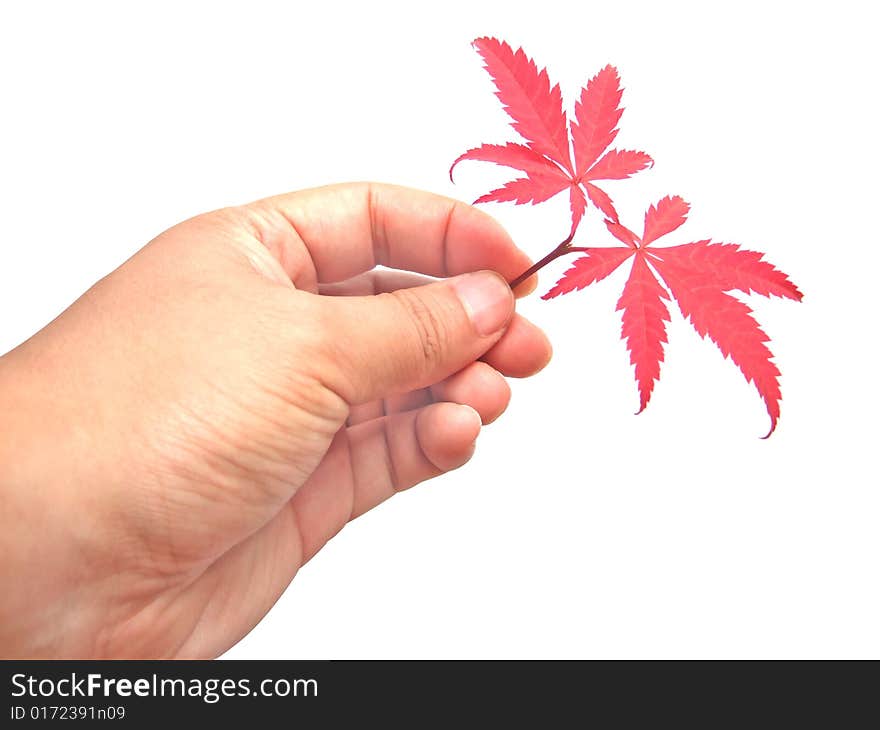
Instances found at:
x=200 y=422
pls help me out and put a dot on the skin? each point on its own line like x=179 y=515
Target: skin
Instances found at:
x=194 y=428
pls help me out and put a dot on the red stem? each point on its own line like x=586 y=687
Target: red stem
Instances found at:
x=562 y=249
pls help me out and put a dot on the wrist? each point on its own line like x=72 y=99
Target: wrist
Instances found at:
x=43 y=558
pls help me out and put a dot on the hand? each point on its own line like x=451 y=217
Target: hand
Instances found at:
x=198 y=424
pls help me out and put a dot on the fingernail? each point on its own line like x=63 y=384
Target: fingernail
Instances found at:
x=487 y=299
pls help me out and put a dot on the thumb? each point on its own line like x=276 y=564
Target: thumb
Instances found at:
x=413 y=337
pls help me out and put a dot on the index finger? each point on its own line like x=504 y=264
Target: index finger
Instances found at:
x=335 y=232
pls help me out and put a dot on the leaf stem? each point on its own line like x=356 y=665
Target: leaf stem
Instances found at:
x=563 y=248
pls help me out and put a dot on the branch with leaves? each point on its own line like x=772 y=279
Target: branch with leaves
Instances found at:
x=559 y=156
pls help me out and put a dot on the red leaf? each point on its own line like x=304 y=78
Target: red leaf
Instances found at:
x=513 y=155
x=644 y=328
x=533 y=189
x=597 y=113
x=534 y=107
x=578 y=205
x=619 y=164
x=728 y=267
x=697 y=275
x=595 y=266
x=729 y=324
x=600 y=199
x=664 y=217
x=622 y=233
x=536 y=111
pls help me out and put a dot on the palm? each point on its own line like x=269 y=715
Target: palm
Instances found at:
x=232 y=594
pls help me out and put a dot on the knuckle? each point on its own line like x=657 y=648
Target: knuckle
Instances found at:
x=431 y=331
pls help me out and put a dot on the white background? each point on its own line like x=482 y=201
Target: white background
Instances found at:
x=579 y=530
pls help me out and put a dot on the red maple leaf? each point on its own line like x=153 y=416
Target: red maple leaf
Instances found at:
x=546 y=157
x=698 y=276
x=559 y=155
